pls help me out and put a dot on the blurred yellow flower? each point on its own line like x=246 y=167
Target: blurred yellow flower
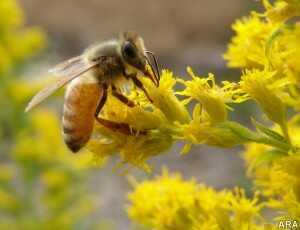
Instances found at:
x=6 y=173
x=281 y=10
x=163 y=203
x=17 y=44
x=11 y=15
x=9 y=202
x=41 y=183
x=37 y=145
x=169 y=202
x=25 y=43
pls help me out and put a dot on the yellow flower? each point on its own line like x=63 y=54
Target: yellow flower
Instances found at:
x=5 y=62
x=245 y=210
x=55 y=178
x=164 y=203
x=42 y=145
x=169 y=202
x=6 y=173
x=20 y=91
x=261 y=86
x=224 y=134
x=212 y=97
x=8 y=201
x=281 y=188
x=165 y=100
x=215 y=135
x=25 y=43
x=288 y=53
x=131 y=149
x=41 y=182
x=277 y=177
x=17 y=44
x=281 y=10
x=36 y=146
x=11 y=15
x=247 y=47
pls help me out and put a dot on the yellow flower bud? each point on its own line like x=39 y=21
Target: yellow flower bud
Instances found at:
x=212 y=97
x=165 y=100
x=260 y=86
x=225 y=134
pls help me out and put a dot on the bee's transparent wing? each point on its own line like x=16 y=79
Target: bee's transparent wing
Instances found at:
x=68 y=76
x=68 y=67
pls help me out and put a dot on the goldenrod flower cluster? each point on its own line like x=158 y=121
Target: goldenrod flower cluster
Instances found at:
x=273 y=83
x=169 y=202
x=166 y=120
x=276 y=175
x=266 y=48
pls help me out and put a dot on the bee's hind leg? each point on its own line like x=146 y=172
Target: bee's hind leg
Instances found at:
x=115 y=126
x=123 y=128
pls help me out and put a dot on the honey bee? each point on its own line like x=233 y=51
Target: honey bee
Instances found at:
x=89 y=76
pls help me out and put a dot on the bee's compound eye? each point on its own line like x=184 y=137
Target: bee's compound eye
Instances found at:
x=129 y=50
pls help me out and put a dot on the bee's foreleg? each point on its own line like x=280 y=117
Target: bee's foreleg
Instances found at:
x=114 y=126
x=122 y=97
x=140 y=85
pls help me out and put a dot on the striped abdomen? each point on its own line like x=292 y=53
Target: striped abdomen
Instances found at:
x=80 y=105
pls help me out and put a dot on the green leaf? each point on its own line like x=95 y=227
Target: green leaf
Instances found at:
x=274 y=35
x=269 y=132
x=240 y=130
x=269 y=43
x=267 y=157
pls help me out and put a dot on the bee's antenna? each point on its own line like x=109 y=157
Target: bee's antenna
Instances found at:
x=152 y=69
x=156 y=64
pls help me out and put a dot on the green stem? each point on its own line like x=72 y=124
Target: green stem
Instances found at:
x=285 y=131
x=248 y=135
x=272 y=142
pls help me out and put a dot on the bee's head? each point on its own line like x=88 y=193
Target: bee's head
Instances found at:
x=134 y=54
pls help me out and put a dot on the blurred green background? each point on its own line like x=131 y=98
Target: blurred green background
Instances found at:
x=44 y=186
